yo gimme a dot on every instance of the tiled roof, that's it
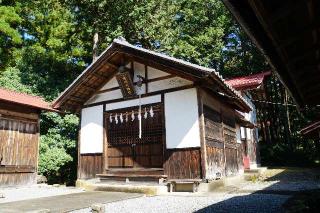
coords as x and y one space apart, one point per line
247 82
24 99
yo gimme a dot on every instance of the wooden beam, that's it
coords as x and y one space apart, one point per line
166 67
89 87
307 54
113 66
285 11
97 75
77 99
300 34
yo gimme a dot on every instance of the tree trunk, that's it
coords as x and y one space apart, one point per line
95 53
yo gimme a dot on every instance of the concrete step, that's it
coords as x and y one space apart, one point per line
137 187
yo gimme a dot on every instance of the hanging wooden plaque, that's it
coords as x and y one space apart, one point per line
126 84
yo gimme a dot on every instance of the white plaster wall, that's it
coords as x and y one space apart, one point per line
155 73
168 84
139 69
133 102
110 84
181 119
106 96
91 135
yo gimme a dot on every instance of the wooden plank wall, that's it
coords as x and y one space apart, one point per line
183 163
90 165
223 153
19 142
15 179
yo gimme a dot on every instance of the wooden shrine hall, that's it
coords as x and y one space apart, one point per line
145 114
19 137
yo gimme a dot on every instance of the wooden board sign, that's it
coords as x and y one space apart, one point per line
126 84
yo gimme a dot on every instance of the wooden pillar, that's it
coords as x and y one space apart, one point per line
203 150
105 143
78 146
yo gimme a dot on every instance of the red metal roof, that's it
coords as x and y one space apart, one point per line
247 82
24 99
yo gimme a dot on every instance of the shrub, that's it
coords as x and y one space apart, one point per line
58 150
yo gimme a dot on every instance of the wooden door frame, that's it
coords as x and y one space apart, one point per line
105 165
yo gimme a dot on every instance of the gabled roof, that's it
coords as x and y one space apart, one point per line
248 82
24 99
101 71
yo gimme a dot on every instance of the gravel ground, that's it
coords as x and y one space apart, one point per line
209 203
277 186
175 204
34 191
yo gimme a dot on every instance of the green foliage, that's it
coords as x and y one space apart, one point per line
58 156
11 79
280 140
9 34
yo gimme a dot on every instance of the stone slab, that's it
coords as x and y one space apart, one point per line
65 203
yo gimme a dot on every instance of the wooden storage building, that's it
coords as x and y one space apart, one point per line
19 137
148 114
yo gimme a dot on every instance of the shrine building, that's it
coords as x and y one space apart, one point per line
145 114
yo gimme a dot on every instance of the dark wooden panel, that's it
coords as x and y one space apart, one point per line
213 124
231 161
90 165
214 143
215 161
240 156
183 163
231 150
125 148
222 150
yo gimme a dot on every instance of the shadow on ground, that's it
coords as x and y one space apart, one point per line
280 184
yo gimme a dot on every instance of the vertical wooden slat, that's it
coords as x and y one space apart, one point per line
202 135
183 163
18 150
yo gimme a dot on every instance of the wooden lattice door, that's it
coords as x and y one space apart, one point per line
125 148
